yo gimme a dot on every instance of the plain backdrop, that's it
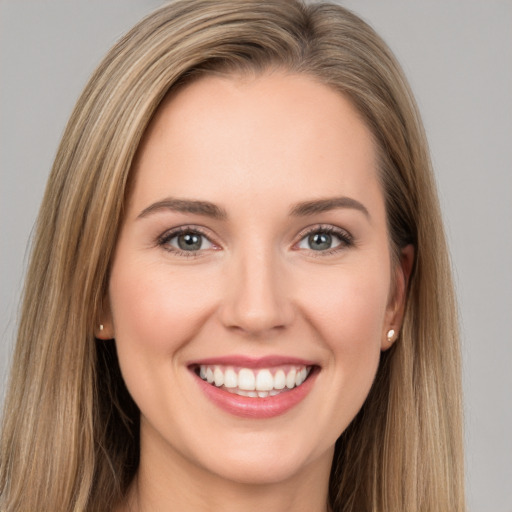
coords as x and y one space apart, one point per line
458 57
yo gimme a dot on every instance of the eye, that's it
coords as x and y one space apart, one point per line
325 239
185 240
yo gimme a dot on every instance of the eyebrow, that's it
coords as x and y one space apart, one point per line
213 211
323 205
186 206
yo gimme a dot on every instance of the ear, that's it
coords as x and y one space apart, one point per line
104 329
396 307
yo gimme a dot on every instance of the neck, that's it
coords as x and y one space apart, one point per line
173 484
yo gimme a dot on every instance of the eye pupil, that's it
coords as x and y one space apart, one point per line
320 241
189 242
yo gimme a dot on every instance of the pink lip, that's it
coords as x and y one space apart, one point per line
252 362
256 408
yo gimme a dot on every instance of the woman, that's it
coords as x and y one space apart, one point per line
239 294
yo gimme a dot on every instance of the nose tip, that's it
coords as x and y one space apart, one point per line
256 302
254 320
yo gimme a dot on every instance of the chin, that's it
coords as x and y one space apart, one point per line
263 459
268 470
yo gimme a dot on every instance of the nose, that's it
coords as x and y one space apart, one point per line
256 302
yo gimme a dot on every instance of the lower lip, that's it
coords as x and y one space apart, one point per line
257 408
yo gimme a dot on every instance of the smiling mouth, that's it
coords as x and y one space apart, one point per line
251 382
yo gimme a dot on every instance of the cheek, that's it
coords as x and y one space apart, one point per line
348 308
155 309
155 313
345 310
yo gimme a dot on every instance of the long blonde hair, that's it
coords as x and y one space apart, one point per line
70 429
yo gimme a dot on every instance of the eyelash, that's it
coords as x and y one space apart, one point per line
163 240
346 239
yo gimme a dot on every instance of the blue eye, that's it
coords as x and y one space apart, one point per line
325 239
186 241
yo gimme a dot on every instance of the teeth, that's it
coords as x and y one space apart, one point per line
254 383
279 380
246 380
290 378
218 376
230 378
264 381
300 378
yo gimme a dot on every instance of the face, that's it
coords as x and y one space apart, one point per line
251 288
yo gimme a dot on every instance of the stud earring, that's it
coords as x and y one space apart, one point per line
391 335
101 327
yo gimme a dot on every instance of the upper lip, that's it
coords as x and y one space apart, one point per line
252 362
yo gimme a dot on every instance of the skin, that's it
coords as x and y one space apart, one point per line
255 147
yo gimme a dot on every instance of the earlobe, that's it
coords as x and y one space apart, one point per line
103 332
104 329
396 308
391 337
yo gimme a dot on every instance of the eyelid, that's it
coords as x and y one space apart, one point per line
163 239
346 238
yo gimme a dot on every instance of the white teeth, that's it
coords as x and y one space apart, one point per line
230 378
246 380
279 380
290 378
218 375
301 377
264 381
254 383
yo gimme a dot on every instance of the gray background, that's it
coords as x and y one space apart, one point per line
458 57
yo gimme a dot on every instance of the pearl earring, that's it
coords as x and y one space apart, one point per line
391 335
101 327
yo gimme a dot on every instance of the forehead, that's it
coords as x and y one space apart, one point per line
265 136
